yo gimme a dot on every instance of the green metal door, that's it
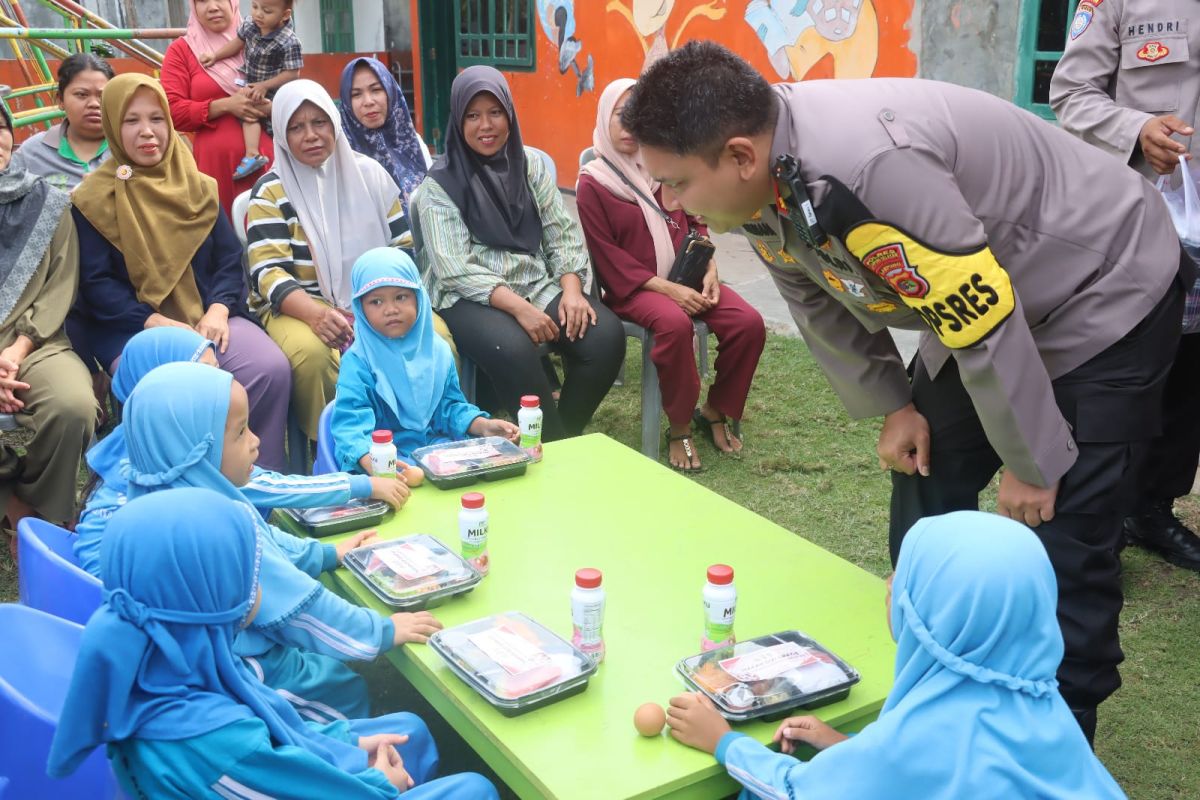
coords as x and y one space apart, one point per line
438 67
337 26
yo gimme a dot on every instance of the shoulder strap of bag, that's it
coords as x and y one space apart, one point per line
648 200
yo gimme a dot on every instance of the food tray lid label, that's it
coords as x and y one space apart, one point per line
411 561
768 663
512 652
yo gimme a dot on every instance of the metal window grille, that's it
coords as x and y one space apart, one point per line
337 26
499 33
1044 25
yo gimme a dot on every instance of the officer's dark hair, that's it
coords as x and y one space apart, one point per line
77 63
696 98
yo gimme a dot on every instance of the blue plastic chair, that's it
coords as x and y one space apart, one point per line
326 460
36 663
50 578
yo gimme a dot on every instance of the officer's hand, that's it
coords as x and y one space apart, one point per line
1161 151
904 442
1025 502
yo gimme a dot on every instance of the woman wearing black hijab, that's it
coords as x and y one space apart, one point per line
505 264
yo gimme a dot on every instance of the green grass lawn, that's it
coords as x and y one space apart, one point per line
812 470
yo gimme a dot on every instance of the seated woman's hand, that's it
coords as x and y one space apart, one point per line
806 730
687 298
575 314
331 327
414 627
393 491
354 542
695 721
537 324
240 105
482 426
710 289
9 404
157 320
214 326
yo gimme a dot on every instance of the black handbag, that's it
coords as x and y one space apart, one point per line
691 260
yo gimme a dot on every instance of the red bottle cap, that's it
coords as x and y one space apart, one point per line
381 437
530 401
720 574
588 578
472 500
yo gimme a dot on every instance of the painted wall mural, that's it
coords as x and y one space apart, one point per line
588 43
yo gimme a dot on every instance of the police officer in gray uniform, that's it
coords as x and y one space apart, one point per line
1046 283
1129 83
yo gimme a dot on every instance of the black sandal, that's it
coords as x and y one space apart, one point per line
687 451
706 425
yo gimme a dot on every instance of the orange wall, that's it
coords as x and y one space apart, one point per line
556 119
324 68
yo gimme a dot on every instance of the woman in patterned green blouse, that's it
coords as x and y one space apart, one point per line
505 264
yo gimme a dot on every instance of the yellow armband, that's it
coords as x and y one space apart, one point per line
963 296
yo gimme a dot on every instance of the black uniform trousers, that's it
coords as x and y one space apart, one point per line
1171 466
1113 404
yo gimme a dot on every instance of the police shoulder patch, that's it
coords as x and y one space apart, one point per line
1083 17
962 296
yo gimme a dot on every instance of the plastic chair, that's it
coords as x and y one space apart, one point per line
297 442
651 391
36 663
326 460
549 162
50 578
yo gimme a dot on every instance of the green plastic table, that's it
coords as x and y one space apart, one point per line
593 502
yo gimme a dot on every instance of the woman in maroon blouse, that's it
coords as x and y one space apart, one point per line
207 103
633 244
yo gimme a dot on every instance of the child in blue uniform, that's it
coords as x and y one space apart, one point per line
157 679
972 609
399 374
186 425
266 490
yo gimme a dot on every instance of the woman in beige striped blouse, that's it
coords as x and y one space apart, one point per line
505 264
319 208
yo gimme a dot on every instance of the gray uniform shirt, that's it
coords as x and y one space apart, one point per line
1126 62
40 154
1087 245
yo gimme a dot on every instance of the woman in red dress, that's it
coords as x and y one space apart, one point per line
207 103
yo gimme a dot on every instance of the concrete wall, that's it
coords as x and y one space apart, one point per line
969 43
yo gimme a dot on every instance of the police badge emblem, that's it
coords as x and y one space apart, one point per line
1153 51
1083 17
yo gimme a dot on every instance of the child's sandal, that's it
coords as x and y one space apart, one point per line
249 165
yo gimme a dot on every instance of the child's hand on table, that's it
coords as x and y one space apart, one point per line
806 730
357 540
414 627
482 426
695 721
388 761
393 491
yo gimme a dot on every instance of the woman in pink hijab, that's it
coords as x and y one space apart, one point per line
632 236
205 101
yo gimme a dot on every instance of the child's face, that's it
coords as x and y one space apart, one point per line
391 310
240 449
269 15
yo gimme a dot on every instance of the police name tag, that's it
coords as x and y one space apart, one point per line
962 296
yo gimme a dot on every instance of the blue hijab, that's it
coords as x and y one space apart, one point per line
156 660
175 428
977 648
410 372
394 144
145 351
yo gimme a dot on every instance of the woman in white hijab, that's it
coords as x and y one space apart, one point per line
320 207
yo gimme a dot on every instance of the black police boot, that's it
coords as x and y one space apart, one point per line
1158 529
1086 717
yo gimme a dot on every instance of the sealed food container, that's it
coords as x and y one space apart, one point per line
453 464
514 662
413 572
767 677
330 520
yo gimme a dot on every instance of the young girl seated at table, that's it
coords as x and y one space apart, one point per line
399 374
106 491
157 678
972 609
186 425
